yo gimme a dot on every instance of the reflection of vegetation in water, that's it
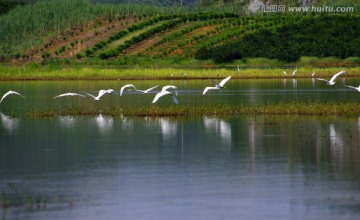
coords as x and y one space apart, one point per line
13 196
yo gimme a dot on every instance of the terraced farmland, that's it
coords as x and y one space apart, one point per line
155 37
121 35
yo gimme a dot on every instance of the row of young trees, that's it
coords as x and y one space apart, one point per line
173 20
321 36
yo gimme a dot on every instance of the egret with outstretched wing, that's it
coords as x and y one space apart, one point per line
126 86
332 80
10 93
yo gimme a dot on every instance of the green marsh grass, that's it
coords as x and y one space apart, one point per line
293 108
35 72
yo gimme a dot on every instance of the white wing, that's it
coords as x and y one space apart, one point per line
322 79
126 86
165 88
89 95
285 73
352 87
10 93
209 88
148 90
175 99
101 93
69 94
336 75
222 83
157 96
313 74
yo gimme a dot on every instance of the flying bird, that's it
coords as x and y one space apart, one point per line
165 91
332 80
101 93
10 93
313 74
69 94
126 86
217 86
356 88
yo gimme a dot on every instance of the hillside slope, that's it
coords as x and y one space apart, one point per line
77 31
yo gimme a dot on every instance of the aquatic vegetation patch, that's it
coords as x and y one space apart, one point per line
293 108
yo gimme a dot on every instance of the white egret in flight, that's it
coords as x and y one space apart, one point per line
332 80
164 91
10 93
217 86
101 93
69 94
126 86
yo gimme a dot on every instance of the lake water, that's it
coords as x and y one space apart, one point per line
240 167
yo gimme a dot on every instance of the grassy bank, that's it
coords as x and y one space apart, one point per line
315 109
36 72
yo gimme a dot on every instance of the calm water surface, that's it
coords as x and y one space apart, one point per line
165 168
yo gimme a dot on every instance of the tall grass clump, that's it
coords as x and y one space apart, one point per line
23 27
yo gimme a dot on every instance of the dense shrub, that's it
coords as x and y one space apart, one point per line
321 36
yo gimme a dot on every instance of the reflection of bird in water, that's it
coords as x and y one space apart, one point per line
100 94
104 123
9 123
221 127
67 121
168 127
217 86
69 94
336 140
10 93
294 83
332 80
